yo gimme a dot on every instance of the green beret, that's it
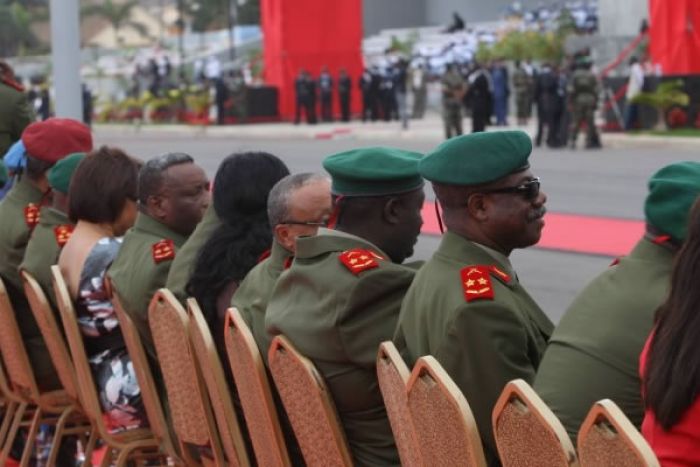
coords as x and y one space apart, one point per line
672 192
60 174
373 171
3 174
477 158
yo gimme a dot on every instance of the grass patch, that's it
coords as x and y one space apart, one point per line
683 132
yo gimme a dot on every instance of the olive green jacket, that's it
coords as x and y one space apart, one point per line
594 351
14 237
136 274
338 318
44 248
15 115
184 262
253 294
481 344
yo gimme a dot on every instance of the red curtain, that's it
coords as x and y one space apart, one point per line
675 36
310 34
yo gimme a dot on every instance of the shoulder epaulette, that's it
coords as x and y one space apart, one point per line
359 260
62 234
31 215
163 250
476 281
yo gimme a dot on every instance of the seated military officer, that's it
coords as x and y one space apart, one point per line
173 194
466 306
54 227
594 351
340 298
297 206
45 143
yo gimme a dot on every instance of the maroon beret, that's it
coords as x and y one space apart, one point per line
55 138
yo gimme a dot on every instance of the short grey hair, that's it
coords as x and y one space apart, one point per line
151 174
278 200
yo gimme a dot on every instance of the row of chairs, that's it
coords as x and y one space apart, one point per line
430 417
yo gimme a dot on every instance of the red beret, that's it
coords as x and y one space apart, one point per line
55 138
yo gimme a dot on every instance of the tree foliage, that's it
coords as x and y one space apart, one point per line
16 36
118 15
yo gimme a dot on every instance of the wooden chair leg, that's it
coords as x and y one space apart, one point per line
107 459
90 446
14 428
58 434
134 446
31 438
10 409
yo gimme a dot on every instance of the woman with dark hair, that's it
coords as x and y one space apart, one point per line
102 203
670 362
241 186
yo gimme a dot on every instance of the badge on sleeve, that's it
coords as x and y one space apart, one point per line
31 215
359 260
163 250
476 282
62 234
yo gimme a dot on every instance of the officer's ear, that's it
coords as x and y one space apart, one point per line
392 210
477 206
156 206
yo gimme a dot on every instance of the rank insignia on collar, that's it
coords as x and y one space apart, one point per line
163 250
288 262
476 282
31 215
505 277
264 255
62 234
359 260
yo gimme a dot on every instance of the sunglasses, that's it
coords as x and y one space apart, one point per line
323 223
529 190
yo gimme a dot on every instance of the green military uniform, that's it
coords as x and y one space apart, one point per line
522 83
183 264
594 352
583 97
19 212
15 114
338 318
341 297
466 306
482 344
141 268
453 88
253 294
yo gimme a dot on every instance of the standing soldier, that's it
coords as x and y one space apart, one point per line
479 97
453 89
583 98
325 87
303 98
365 85
15 113
522 83
344 90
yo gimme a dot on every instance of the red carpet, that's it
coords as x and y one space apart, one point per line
573 233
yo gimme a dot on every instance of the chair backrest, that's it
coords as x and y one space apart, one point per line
14 353
393 376
192 416
608 439
309 406
213 373
51 332
527 432
444 423
147 384
86 383
254 392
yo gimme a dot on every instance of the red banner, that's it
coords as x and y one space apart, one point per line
674 36
309 34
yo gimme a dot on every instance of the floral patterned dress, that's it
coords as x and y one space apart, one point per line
119 392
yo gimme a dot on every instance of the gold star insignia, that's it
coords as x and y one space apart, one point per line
482 281
470 283
353 261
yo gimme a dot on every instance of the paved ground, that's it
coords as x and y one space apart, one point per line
610 182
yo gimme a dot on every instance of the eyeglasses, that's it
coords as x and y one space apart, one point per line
310 223
529 190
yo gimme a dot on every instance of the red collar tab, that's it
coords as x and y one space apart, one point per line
265 254
476 282
660 239
163 250
359 260
615 262
31 215
62 234
13 84
288 262
500 274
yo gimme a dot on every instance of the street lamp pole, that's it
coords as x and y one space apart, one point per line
65 57
231 4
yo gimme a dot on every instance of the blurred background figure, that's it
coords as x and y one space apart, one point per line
419 86
325 89
634 87
344 92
